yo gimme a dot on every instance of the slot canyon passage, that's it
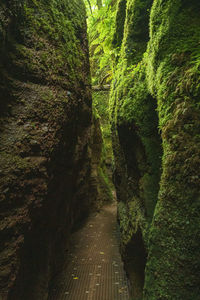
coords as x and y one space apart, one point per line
100 149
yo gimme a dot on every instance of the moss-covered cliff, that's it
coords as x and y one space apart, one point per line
52 153
155 117
174 78
45 133
136 143
100 182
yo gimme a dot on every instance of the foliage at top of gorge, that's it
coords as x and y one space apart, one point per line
145 66
100 21
101 29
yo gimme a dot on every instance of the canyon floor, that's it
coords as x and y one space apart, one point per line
93 269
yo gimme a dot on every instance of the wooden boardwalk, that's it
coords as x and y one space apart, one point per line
95 269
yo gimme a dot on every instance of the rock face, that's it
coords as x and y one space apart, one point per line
155 124
99 185
45 133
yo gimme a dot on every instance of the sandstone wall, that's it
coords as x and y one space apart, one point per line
45 132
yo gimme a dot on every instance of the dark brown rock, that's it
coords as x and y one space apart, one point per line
45 117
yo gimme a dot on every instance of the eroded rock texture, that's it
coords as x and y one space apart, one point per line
155 124
45 130
173 76
99 186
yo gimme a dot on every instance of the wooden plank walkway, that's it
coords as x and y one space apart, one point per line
95 269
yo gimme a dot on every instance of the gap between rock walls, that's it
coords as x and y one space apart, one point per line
100 100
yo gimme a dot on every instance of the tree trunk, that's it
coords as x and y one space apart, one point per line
99 4
90 6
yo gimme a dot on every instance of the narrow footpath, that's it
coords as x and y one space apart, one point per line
95 269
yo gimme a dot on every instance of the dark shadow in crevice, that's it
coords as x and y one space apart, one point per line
135 261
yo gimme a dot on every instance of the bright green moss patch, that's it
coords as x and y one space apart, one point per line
173 77
133 107
50 44
119 23
172 55
157 85
136 33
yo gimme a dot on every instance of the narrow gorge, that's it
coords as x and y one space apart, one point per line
100 98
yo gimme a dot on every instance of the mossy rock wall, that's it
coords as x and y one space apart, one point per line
173 74
100 183
45 133
155 115
136 144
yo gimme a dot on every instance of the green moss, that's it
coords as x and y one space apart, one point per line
133 108
13 162
11 165
139 108
173 64
119 23
100 112
45 118
100 105
105 185
136 33
100 181
161 87
131 220
50 44
173 77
